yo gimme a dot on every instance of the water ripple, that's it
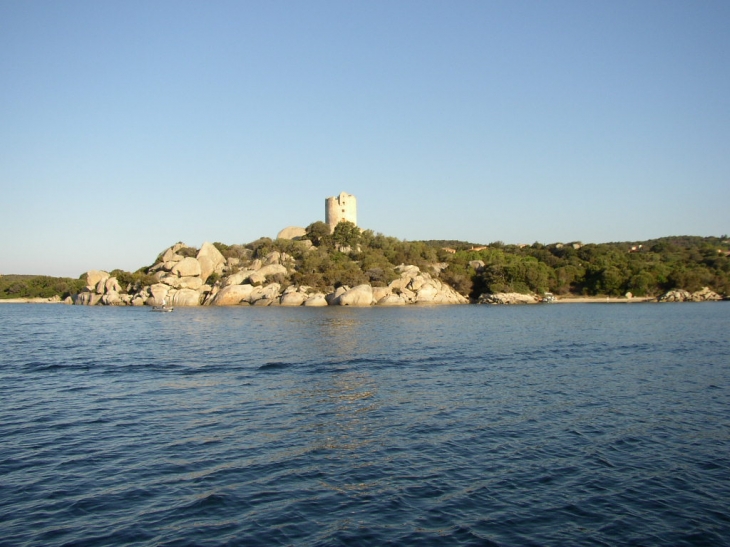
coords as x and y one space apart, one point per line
554 425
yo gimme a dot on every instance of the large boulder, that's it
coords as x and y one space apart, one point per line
184 297
158 293
264 272
237 278
676 295
112 284
426 293
94 277
704 295
87 299
316 301
170 255
232 295
291 232
211 261
187 267
333 298
111 298
391 300
380 292
268 293
361 295
100 287
194 283
293 298
274 257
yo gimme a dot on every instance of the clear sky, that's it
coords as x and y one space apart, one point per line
128 126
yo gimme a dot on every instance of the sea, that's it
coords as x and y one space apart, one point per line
555 425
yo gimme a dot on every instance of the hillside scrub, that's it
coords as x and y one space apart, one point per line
352 256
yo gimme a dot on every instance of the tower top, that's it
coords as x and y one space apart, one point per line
339 208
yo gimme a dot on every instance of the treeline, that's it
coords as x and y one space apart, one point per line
647 268
38 286
351 256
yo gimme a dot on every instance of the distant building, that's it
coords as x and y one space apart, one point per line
339 208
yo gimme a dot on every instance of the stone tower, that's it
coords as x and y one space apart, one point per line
342 207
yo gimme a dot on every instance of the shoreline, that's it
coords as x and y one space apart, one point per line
603 300
560 300
50 300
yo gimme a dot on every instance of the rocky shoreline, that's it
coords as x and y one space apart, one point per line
184 281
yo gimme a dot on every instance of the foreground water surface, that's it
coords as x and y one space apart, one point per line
468 425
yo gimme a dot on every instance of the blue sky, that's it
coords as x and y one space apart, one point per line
128 126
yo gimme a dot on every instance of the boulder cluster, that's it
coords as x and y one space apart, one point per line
181 280
680 295
185 280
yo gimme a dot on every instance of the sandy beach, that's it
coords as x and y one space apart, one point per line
602 299
51 300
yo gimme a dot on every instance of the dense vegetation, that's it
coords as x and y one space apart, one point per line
38 286
649 268
351 256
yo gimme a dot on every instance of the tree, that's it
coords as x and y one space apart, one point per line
346 234
318 233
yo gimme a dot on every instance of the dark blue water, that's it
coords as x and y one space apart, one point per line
469 425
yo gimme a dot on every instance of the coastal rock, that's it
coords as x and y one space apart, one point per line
237 278
193 283
380 292
680 295
211 261
184 297
426 293
676 295
415 286
293 298
269 292
391 300
260 275
291 232
704 295
232 295
187 267
100 287
316 300
94 277
361 295
112 284
158 293
333 298
408 296
111 298
170 255
87 299
508 298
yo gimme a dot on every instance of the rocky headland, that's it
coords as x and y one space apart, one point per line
184 280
